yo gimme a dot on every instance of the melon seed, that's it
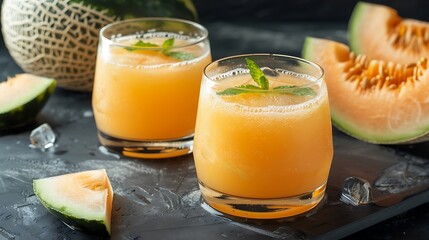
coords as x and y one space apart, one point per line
415 73
409 36
426 35
381 68
373 74
411 65
352 78
392 86
422 63
372 68
394 39
353 71
364 83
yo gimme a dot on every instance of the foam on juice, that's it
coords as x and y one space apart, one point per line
149 58
258 101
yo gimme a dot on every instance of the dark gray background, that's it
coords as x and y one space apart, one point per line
304 10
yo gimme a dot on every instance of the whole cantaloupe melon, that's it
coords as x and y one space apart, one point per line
58 38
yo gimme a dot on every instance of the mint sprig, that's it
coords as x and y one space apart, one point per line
166 46
296 90
257 75
261 80
168 43
140 43
238 90
184 56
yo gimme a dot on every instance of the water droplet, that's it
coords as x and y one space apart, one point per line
88 114
106 151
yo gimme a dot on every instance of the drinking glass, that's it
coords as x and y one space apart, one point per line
146 87
263 153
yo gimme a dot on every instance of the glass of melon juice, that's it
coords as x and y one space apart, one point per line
146 87
263 153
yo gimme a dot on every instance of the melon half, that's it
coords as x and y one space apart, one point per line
82 200
372 100
58 39
380 33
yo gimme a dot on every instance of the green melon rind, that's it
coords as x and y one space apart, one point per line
88 225
26 109
355 23
419 135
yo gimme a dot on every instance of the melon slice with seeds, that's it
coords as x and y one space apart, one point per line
380 33
373 100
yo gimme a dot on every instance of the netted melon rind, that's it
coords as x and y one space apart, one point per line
56 39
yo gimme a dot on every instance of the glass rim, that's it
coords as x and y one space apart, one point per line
201 28
317 79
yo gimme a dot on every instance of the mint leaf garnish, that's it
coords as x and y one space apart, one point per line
295 90
259 77
180 55
166 45
141 44
238 90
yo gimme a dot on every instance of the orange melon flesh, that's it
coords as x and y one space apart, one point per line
83 199
375 115
21 89
372 30
21 99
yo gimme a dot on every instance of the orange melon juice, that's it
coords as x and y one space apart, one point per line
262 145
145 94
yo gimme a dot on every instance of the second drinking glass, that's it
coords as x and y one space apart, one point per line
146 85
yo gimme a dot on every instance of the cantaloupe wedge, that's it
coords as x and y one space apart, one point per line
375 101
22 97
381 33
82 200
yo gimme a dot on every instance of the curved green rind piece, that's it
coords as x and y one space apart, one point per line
95 227
350 128
90 226
27 112
355 23
307 48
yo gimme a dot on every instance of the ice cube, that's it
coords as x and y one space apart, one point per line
356 191
42 137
